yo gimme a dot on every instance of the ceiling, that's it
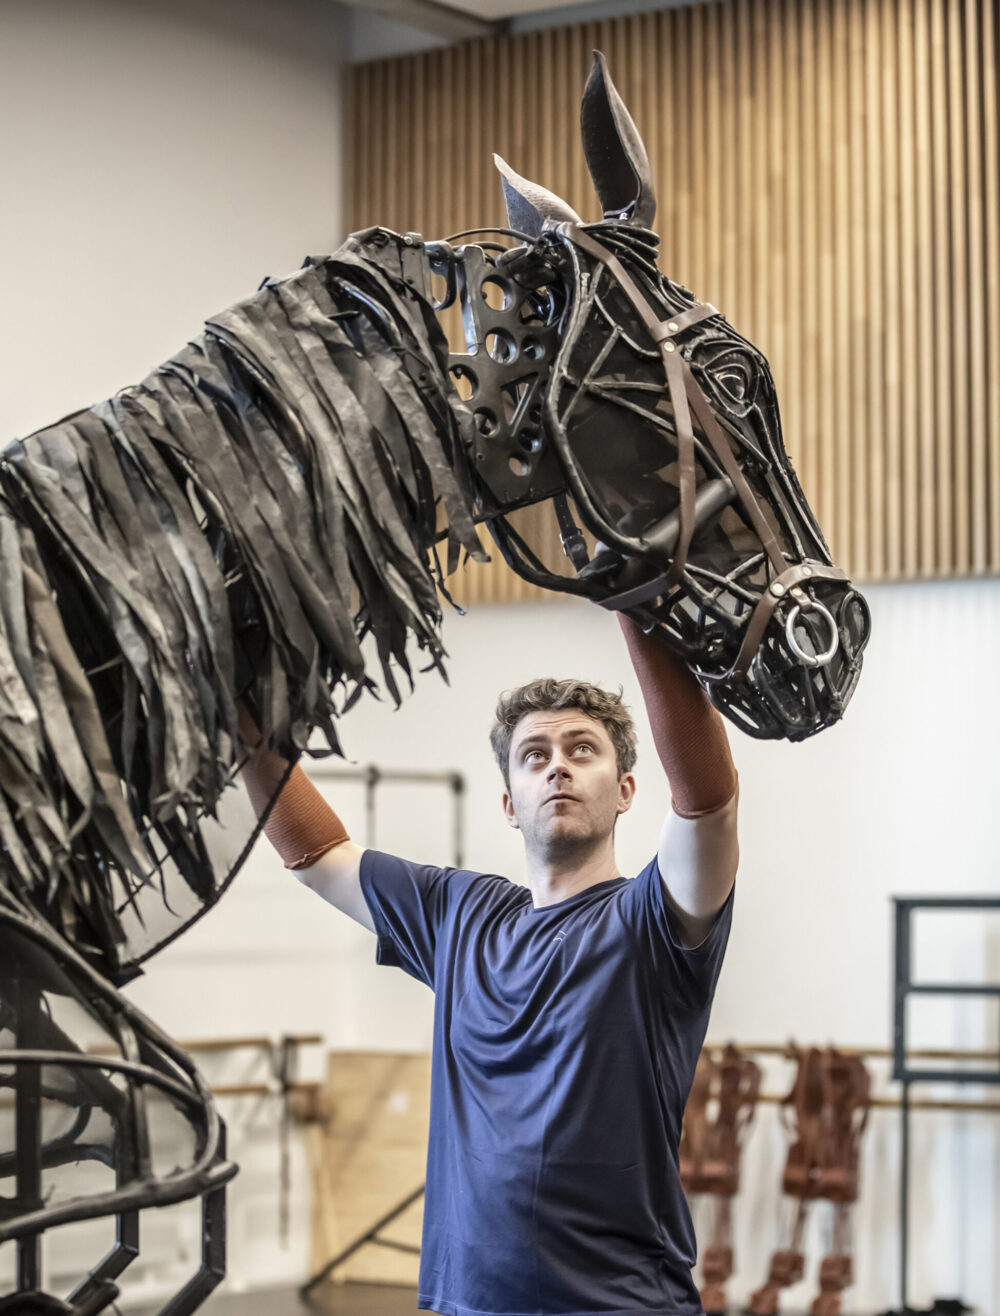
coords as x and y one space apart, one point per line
494 9
383 28
458 20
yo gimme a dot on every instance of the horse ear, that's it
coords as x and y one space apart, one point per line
528 205
615 154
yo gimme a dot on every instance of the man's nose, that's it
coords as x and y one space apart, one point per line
558 767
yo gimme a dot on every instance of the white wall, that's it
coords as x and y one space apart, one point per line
158 167
157 160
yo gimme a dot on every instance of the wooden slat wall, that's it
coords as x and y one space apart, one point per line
828 175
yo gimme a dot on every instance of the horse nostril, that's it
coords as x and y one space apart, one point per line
855 624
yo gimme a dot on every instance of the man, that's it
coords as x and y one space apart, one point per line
568 1017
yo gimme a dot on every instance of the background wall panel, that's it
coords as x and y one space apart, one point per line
827 173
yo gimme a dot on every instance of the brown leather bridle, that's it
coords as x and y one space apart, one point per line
687 397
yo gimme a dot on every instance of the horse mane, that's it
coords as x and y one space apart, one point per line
232 527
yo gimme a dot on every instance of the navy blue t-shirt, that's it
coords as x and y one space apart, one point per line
565 1043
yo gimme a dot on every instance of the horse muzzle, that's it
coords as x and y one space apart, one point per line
799 676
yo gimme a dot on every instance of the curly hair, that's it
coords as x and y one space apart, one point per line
546 694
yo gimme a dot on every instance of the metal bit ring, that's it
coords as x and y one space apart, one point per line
811 660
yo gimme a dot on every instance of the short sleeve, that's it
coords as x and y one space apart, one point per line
408 903
689 973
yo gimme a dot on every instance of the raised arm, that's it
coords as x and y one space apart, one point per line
699 851
302 827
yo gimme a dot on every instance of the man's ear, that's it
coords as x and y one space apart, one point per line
508 808
626 792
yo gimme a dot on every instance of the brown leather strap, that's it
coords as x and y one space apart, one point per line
720 446
662 333
693 315
674 366
660 330
769 600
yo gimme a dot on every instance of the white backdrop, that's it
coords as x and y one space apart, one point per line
157 161
156 166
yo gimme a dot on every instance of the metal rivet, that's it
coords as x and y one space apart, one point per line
777 588
807 571
668 347
672 327
797 593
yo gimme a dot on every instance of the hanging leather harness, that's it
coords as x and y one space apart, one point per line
710 1148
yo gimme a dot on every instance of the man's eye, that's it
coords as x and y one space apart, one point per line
533 754
584 745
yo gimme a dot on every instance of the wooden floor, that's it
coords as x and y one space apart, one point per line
371 1299
332 1300
337 1300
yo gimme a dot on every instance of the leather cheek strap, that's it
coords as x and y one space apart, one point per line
684 389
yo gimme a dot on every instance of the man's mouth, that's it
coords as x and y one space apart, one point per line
561 797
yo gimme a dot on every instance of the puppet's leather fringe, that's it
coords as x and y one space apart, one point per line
231 527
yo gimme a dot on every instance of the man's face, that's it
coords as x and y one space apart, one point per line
565 792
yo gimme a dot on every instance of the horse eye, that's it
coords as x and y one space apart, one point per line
734 382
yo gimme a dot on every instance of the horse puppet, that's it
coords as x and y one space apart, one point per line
233 527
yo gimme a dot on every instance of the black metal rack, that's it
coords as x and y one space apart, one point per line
372 776
905 987
39 1050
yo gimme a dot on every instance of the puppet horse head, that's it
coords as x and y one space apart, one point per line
595 384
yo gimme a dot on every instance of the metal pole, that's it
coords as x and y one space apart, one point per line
904 931
904 1198
371 786
373 776
458 802
900 988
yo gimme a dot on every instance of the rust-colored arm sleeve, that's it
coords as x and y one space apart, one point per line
689 734
301 826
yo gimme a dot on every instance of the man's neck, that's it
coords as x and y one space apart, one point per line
557 877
